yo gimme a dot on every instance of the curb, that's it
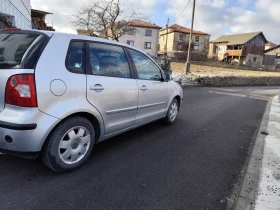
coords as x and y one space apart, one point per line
248 190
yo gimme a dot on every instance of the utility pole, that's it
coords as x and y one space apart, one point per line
166 37
188 65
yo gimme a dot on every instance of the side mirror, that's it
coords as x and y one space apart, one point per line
167 77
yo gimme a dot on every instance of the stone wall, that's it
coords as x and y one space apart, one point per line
254 61
220 81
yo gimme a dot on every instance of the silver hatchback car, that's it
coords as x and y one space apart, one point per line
60 94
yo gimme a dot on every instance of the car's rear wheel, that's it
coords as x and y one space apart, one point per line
172 112
69 145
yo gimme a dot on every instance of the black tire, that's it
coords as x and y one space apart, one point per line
168 120
51 151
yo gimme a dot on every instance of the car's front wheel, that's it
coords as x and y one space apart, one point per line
172 112
69 145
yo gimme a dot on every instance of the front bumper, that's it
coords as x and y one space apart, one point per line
24 129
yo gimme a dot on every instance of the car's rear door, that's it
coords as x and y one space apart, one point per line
153 90
111 87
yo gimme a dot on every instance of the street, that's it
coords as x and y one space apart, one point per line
194 164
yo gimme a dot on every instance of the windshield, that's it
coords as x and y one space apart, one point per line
13 47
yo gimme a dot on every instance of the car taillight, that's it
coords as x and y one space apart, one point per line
20 91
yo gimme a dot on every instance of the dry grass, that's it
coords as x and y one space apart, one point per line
208 68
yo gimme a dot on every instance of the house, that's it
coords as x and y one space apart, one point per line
269 45
144 36
15 13
177 39
272 58
237 47
38 19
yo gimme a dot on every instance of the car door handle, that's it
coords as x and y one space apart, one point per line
97 87
144 88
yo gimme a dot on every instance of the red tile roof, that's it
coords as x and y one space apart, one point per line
85 33
140 23
181 29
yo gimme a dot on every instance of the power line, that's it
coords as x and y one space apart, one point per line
183 11
26 8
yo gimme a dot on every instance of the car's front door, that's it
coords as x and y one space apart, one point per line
110 86
153 91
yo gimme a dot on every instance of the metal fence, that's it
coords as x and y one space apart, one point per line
17 18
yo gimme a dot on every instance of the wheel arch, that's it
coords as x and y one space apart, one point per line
178 98
93 119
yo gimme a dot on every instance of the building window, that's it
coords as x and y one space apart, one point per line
196 47
163 37
148 33
131 43
147 45
197 38
131 32
181 37
254 59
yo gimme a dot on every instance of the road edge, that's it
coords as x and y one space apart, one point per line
248 190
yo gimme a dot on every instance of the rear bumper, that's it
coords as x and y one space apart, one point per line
24 130
18 127
29 155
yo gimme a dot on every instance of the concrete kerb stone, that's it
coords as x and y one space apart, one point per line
249 186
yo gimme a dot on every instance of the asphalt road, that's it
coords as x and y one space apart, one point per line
194 164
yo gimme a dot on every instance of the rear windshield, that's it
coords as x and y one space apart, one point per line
13 48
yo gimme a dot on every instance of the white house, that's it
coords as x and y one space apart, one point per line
145 37
18 13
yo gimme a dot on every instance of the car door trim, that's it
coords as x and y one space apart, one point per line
151 105
121 110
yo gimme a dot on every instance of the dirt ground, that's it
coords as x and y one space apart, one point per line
206 68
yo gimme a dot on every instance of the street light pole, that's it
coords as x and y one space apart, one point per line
188 65
166 37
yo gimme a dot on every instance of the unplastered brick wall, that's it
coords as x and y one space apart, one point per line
254 61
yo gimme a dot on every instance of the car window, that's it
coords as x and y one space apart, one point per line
76 57
108 60
13 47
146 68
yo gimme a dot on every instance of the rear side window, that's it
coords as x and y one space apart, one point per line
14 48
108 60
75 61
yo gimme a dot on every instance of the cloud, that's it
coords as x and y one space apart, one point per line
220 17
216 17
63 10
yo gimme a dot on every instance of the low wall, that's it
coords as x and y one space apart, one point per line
220 81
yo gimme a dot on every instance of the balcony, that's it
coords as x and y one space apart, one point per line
234 52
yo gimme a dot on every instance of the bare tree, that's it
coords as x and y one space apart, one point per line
107 18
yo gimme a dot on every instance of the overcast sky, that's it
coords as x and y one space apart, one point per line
216 17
